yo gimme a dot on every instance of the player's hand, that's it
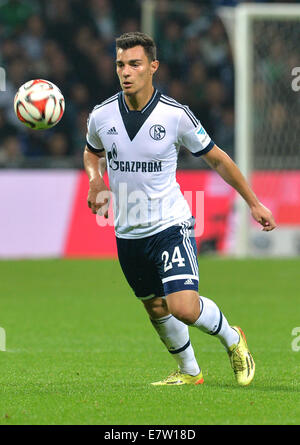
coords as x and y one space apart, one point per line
263 216
99 197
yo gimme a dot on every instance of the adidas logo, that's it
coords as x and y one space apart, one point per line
112 131
188 281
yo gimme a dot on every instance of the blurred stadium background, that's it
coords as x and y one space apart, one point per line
70 42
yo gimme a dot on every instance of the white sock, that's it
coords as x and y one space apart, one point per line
175 335
213 322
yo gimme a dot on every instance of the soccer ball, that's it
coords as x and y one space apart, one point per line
39 104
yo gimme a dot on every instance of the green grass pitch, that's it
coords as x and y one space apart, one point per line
81 350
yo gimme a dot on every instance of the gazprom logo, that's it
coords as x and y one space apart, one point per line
112 157
114 151
131 166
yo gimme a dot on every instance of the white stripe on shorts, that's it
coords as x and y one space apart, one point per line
180 277
194 258
189 248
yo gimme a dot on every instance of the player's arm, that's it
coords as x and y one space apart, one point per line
98 195
229 171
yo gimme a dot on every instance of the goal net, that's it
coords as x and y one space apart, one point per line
267 106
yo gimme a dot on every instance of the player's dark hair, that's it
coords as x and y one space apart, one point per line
132 39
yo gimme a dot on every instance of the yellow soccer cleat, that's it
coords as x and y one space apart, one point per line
241 360
178 378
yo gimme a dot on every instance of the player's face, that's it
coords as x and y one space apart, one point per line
134 69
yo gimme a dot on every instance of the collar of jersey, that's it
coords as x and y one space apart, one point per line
134 120
148 104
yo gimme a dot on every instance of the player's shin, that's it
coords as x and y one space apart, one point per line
213 322
175 335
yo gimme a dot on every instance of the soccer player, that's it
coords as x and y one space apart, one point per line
136 135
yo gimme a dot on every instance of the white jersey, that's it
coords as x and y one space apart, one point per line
141 152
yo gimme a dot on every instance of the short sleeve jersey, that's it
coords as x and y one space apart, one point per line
141 149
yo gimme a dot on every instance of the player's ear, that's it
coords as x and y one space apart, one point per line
154 66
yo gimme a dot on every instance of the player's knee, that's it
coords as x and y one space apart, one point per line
186 315
184 306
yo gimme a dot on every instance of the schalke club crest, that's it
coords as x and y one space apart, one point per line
157 132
